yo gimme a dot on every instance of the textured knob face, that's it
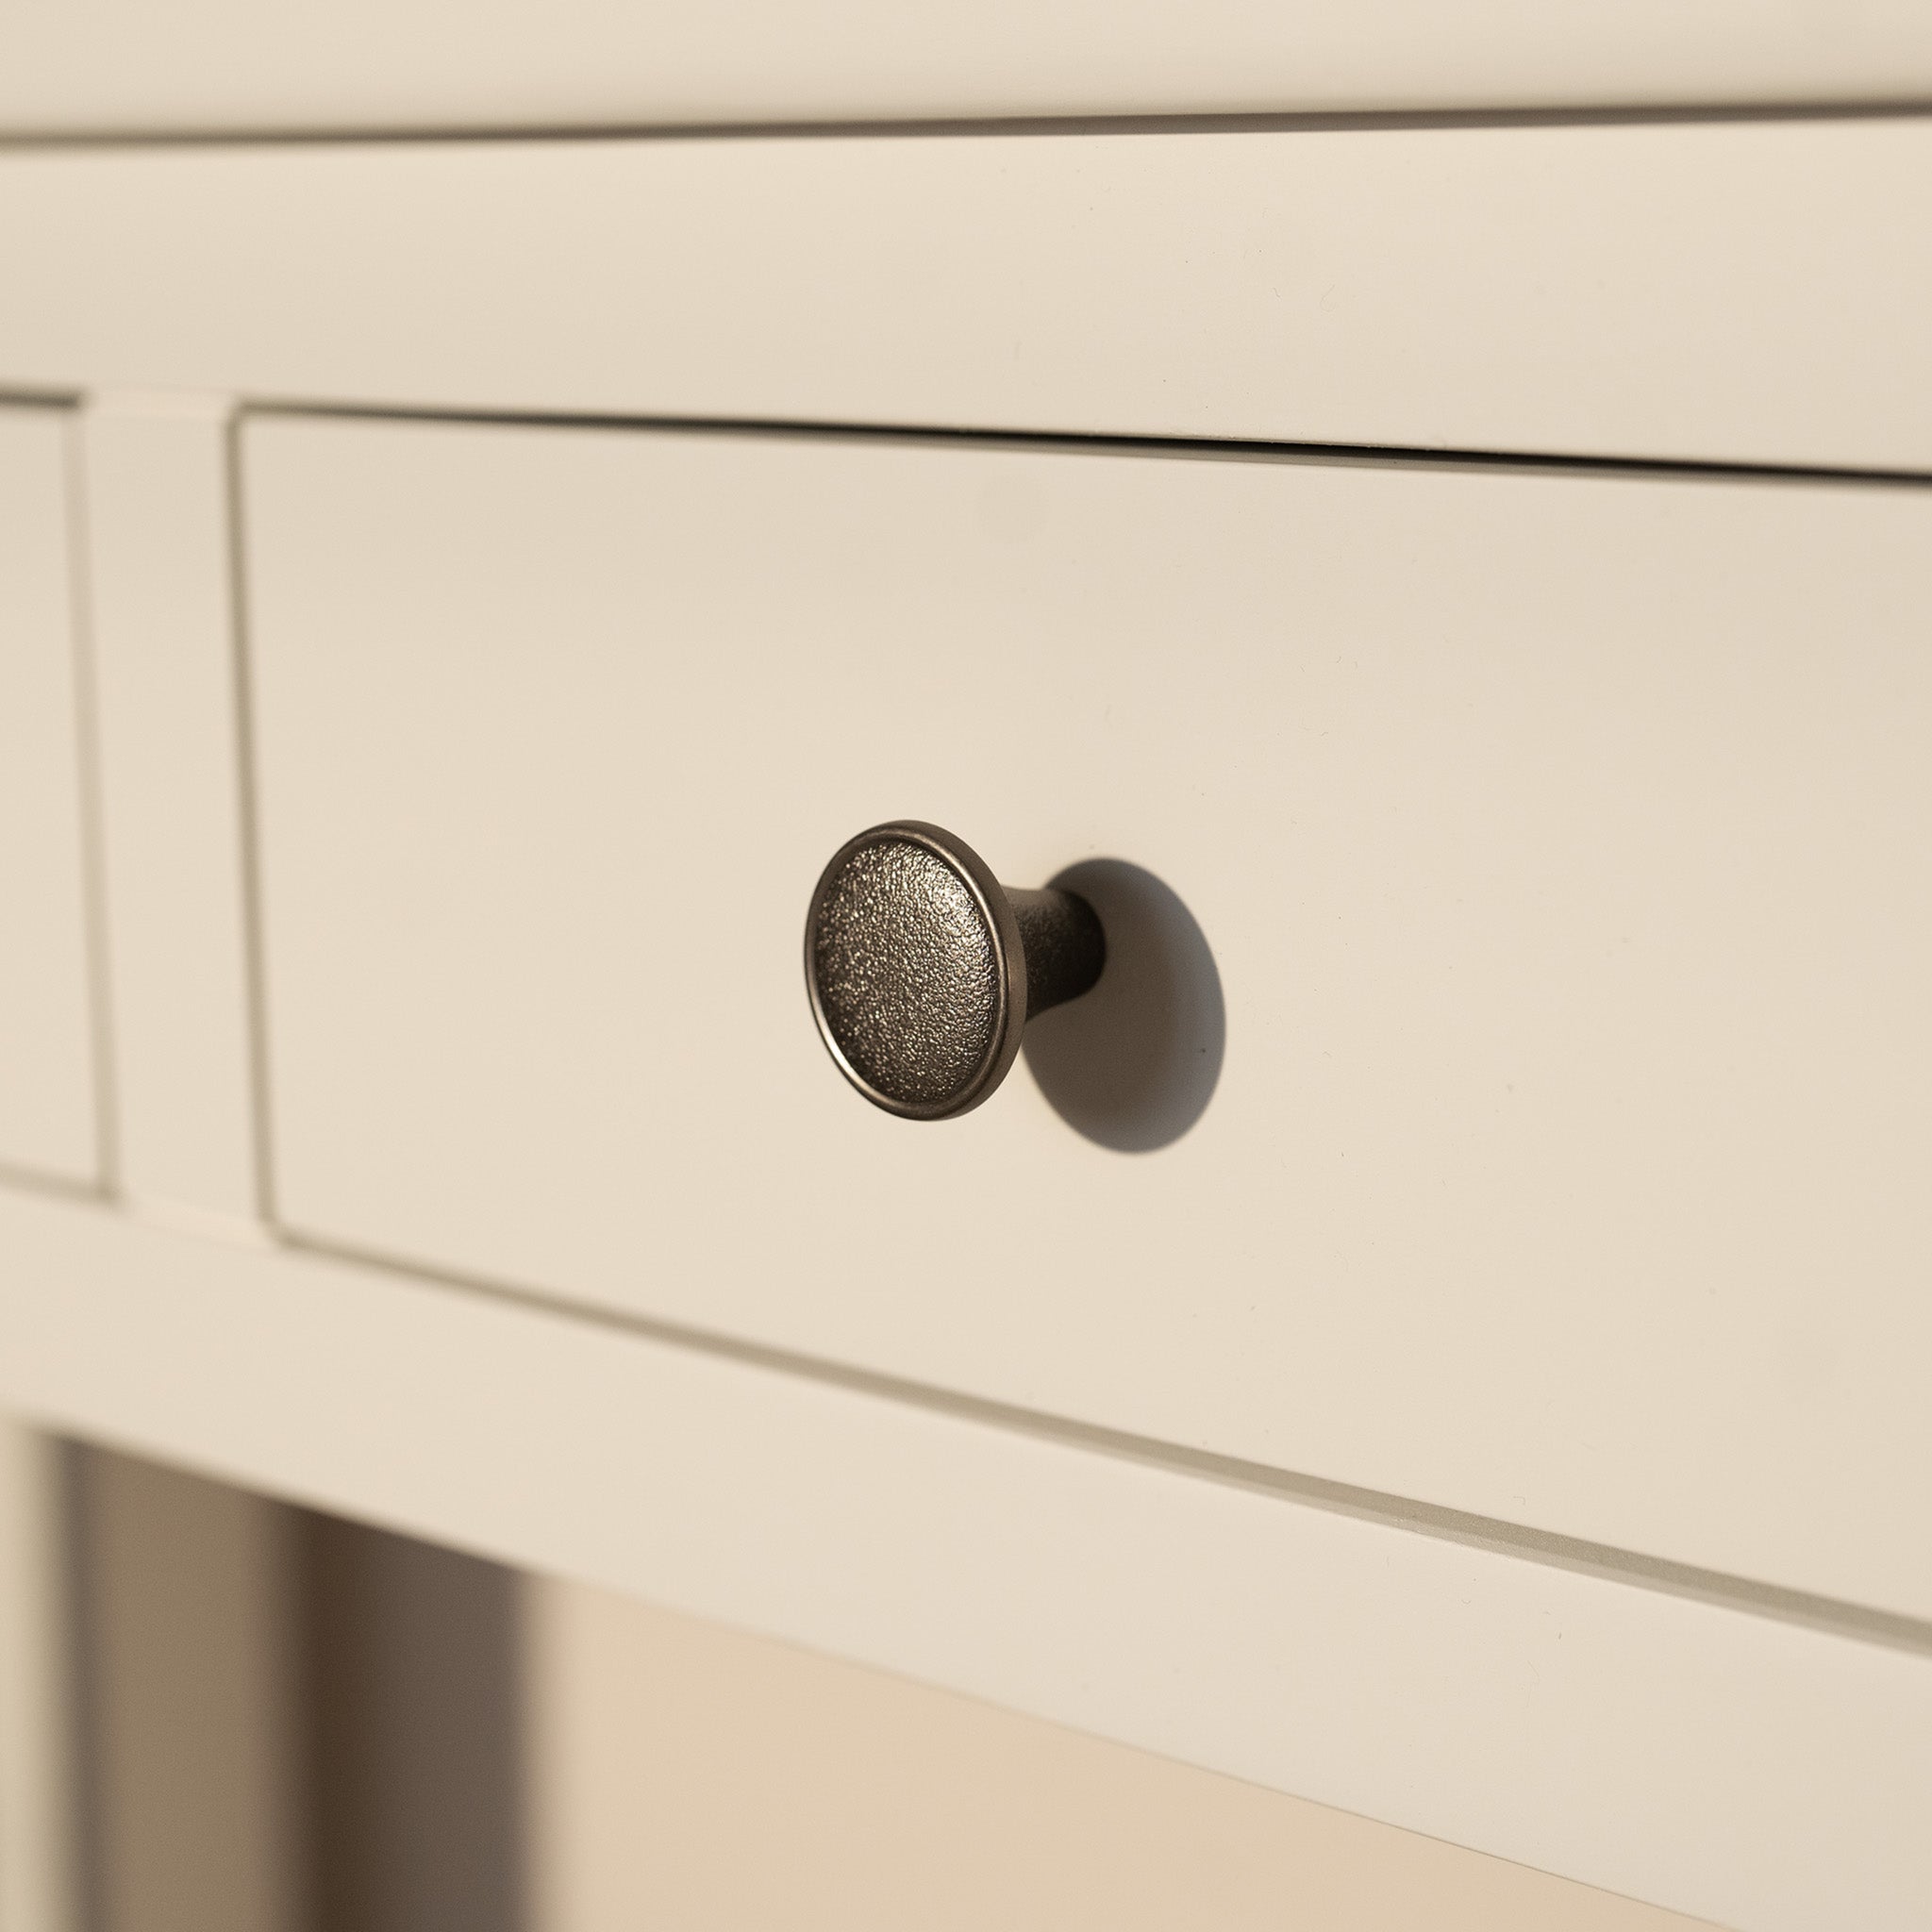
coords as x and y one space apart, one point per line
916 971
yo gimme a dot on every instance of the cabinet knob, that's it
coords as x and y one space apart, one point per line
924 970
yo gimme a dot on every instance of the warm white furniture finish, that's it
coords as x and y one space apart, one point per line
1502 1411
119 65
1558 842
1720 293
48 1124
155 504
1742 1767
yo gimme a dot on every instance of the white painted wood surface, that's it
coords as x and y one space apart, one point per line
49 1121
191 65
156 503
1558 841
1767 1776
1729 292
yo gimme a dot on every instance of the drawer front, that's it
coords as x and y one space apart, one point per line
47 1124
196 64
1524 873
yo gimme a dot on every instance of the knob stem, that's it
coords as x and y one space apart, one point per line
1064 945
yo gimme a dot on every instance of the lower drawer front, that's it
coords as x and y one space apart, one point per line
46 1076
1512 1087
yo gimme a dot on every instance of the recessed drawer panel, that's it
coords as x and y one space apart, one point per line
1512 1086
46 1078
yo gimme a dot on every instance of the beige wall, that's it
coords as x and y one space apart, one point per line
693 1778
191 1706
37 1852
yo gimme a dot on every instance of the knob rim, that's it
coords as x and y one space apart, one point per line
1002 930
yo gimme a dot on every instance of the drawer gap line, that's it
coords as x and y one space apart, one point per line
990 126
1069 442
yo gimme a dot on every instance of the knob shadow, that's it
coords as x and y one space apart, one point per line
1134 1063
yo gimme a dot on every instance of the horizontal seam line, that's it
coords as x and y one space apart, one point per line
1236 120
31 1180
1775 1603
24 396
1200 448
